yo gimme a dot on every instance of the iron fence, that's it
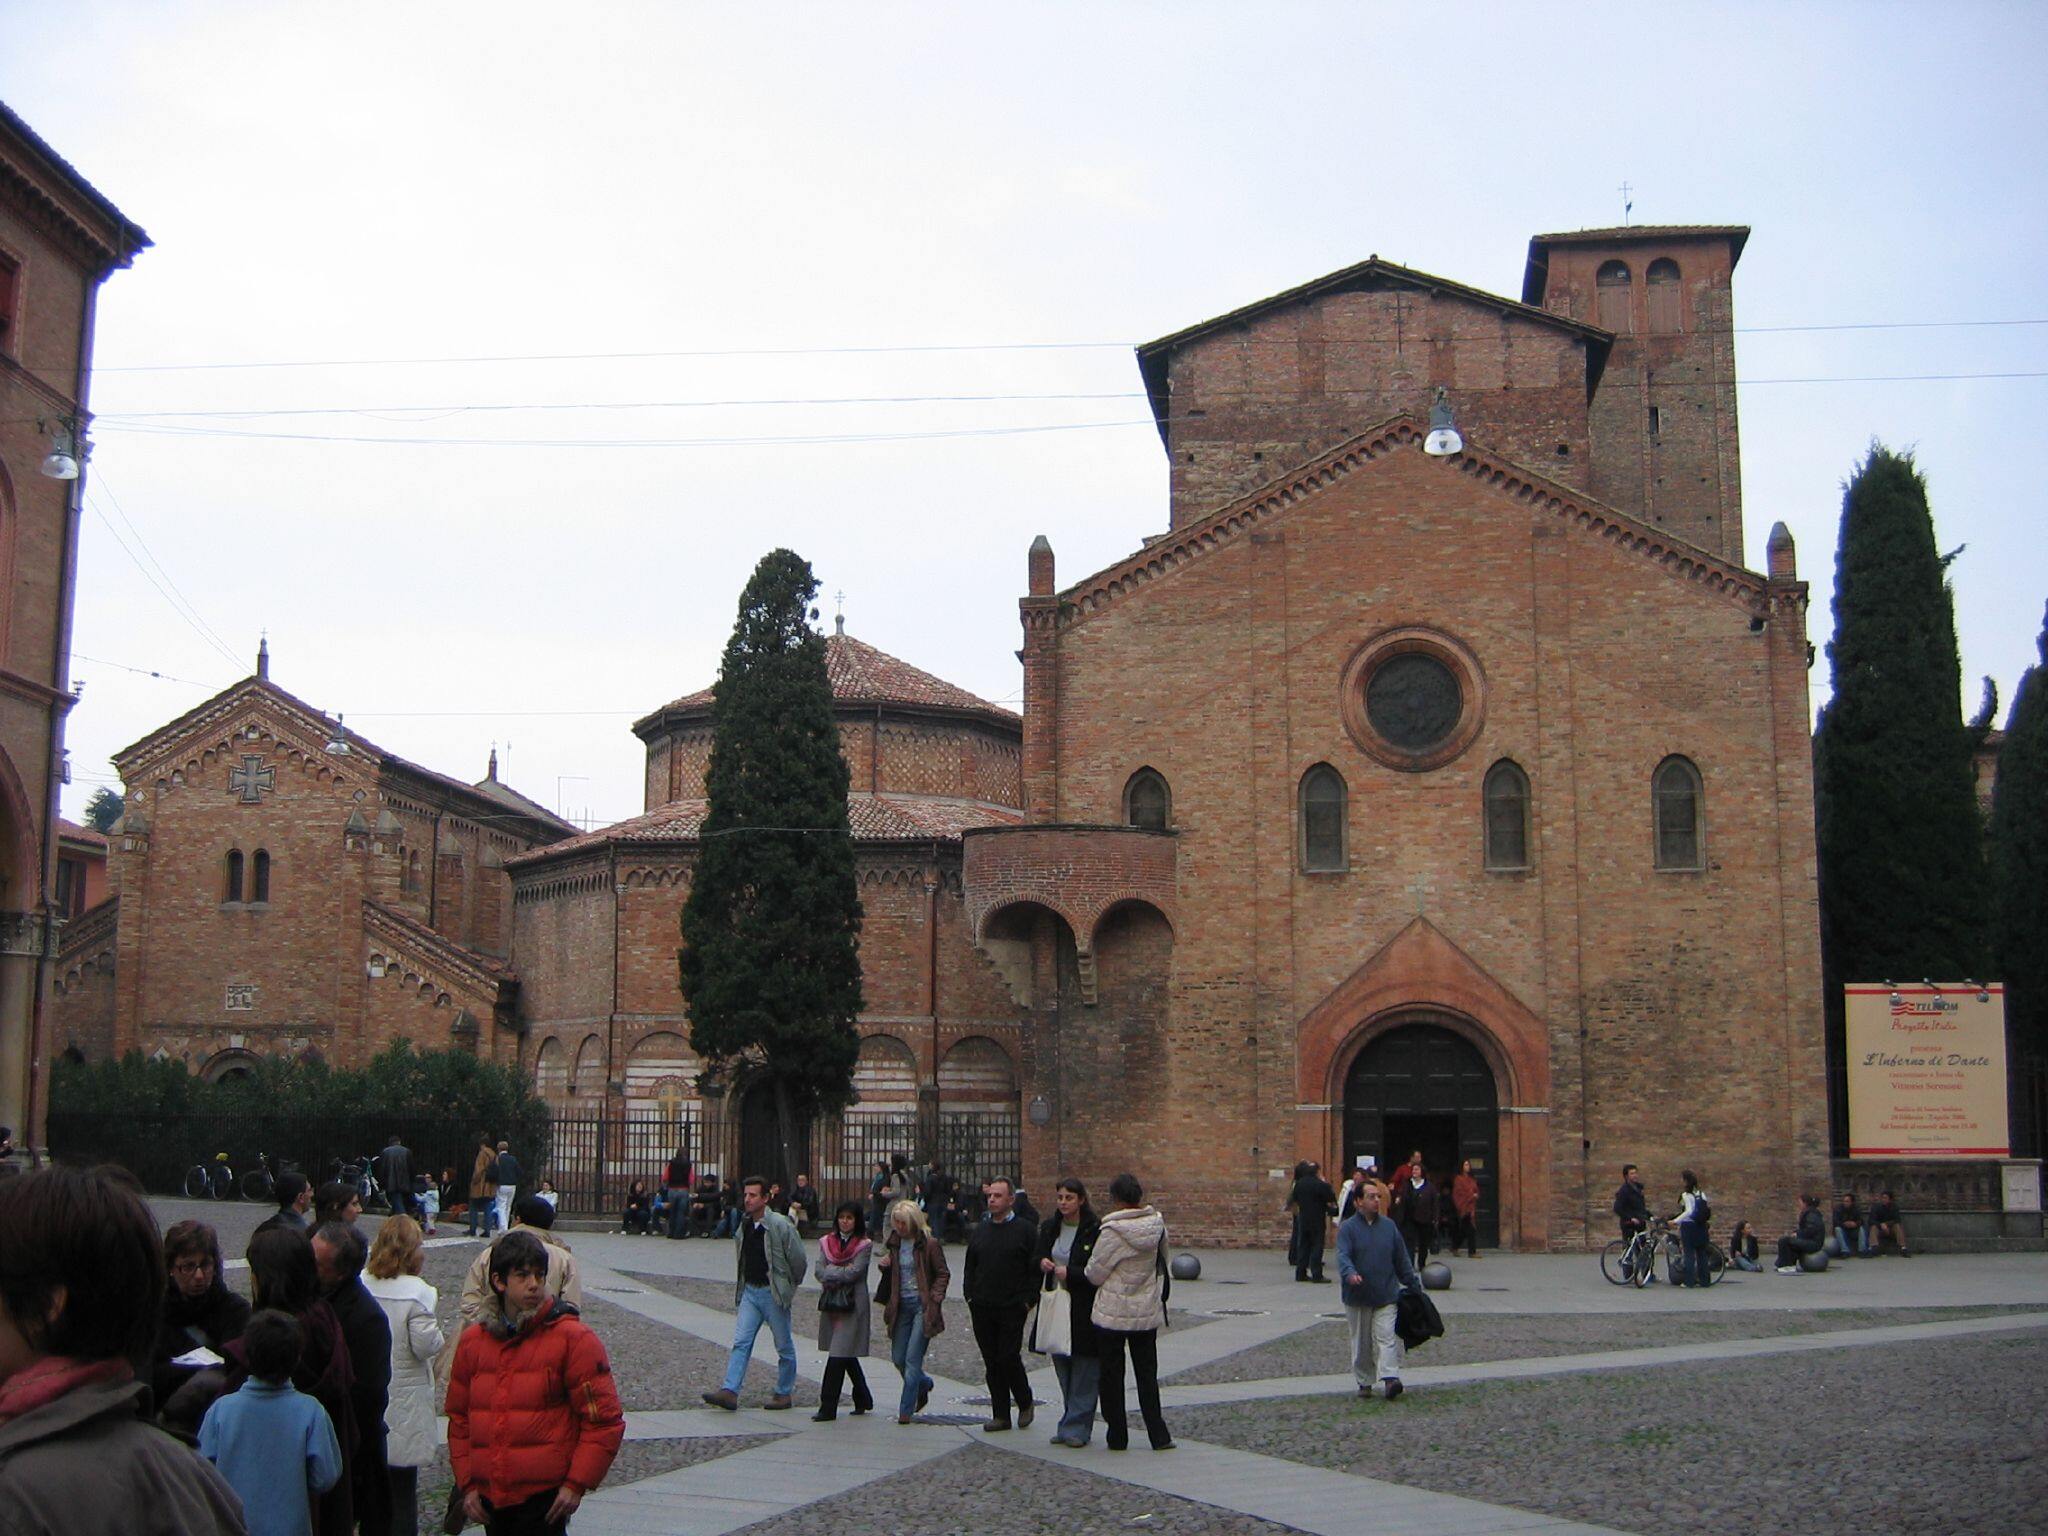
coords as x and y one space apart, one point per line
160 1149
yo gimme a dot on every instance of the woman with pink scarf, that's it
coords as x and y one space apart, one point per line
81 1283
843 1255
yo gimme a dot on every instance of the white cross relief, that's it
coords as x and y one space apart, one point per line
251 779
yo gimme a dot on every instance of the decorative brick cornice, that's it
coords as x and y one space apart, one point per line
428 951
1404 433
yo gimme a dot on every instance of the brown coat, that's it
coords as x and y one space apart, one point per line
932 1279
481 1185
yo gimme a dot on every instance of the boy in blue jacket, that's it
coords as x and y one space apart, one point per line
274 1445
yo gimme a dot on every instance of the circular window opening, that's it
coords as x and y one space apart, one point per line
1413 698
1413 701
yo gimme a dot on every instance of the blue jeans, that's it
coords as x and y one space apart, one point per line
1693 1265
757 1306
1079 1378
906 1352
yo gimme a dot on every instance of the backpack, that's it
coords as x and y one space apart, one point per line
1702 1212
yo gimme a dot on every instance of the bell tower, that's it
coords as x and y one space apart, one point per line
1666 446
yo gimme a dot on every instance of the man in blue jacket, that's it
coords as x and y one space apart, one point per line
1373 1268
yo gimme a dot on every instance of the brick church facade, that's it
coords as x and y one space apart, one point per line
1386 800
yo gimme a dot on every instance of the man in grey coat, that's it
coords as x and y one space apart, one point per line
1373 1268
769 1265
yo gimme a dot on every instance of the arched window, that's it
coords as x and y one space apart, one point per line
1507 816
233 891
1147 802
1661 286
1322 818
1612 292
259 877
1675 792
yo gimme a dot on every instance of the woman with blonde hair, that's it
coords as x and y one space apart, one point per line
393 1277
913 1290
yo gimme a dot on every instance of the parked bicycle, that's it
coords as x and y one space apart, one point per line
260 1182
360 1174
210 1181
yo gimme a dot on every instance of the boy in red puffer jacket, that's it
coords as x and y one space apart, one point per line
533 1414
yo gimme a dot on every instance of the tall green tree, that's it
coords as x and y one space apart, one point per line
770 963
2019 864
103 809
1903 889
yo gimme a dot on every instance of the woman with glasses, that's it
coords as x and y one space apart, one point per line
199 1312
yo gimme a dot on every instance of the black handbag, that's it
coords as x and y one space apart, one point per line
836 1298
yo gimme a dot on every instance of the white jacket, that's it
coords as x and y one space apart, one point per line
408 1303
1129 1297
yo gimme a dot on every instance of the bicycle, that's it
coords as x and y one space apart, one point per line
1633 1260
210 1181
361 1176
260 1182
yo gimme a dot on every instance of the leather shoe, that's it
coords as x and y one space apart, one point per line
924 1395
903 1418
1168 1446
779 1400
729 1401
994 1426
1026 1412
1393 1388
825 1416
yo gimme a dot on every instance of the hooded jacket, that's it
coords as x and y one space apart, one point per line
408 1303
86 1465
478 1300
1124 1270
532 1408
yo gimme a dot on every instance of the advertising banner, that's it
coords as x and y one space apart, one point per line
1927 1070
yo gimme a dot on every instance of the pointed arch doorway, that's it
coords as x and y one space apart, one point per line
1422 1086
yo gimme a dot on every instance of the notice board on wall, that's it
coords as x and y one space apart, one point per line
1927 1070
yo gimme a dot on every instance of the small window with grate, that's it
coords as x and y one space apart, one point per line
1506 796
1147 802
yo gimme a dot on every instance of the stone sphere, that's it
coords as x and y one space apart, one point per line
1436 1277
1186 1266
1814 1263
1832 1248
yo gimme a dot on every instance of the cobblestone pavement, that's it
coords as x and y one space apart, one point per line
636 1459
1949 1435
952 1353
979 1488
657 1367
1326 1347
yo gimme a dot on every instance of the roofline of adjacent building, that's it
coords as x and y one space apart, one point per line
1153 355
676 713
121 237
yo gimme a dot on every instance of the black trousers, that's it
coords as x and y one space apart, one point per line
1144 1348
1418 1236
838 1370
1308 1246
1467 1236
529 1517
999 1332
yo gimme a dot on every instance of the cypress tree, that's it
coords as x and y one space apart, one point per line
1903 890
2019 863
770 963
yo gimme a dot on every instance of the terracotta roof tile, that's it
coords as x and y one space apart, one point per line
860 674
875 819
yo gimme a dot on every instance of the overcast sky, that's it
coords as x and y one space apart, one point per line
756 213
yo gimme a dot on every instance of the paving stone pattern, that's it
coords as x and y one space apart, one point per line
978 1488
1326 1347
1948 1435
636 1459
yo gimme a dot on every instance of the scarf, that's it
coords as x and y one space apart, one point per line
838 1250
39 1385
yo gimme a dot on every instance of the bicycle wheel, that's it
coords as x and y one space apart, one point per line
1613 1263
1717 1264
223 1182
257 1184
197 1185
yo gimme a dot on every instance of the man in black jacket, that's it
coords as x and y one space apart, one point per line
1632 1207
338 1253
1811 1236
1001 1288
1310 1200
397 1163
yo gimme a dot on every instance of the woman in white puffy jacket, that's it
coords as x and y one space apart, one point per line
393 1277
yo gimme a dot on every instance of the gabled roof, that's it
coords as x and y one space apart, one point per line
859 674
1537 272
428 944
1164 556
1371 273
314 722
875 818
